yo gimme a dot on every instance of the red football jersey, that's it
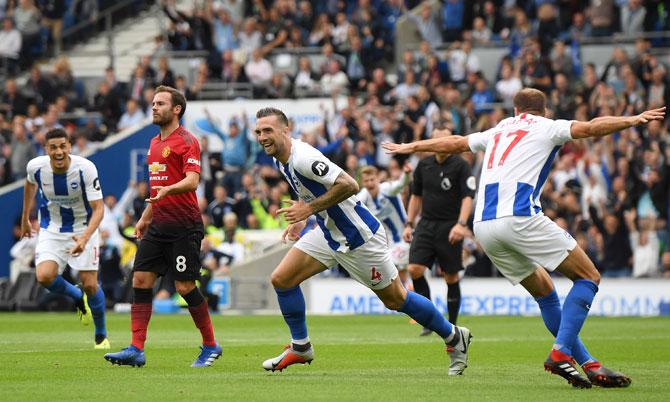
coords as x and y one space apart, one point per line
168 161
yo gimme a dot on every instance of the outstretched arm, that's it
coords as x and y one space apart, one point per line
602 126
453 144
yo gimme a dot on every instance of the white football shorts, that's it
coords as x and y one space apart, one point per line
56 247
400 254
517 245
370 263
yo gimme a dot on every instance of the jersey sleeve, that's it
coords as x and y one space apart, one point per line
417 182
468 181
559 132
92 182
314 166
478 141
31 168
191 157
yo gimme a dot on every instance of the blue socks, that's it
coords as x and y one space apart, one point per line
97 305
424 312
575 309
550 307
292 305
61 286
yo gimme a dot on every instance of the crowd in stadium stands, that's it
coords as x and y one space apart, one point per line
611 194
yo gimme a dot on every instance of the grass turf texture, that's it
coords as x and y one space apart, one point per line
51 357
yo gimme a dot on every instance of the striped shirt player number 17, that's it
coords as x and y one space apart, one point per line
516 137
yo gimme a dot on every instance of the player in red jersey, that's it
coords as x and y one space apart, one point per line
170 230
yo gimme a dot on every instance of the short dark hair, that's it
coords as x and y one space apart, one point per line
177 97
56 133
530 100
271 111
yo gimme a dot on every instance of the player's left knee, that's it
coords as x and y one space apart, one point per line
90 288
393 303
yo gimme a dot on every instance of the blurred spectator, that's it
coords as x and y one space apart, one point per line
616 243
453 12
10 46
259 71
12 102
39 88
164 75
224 32
111 275
27 19
334 80
428 25
22 148
462 61
107 103
53 12
147 102
305 79
645 245
509 84
480 34
133 115
138 83
602 17
632 17
250 38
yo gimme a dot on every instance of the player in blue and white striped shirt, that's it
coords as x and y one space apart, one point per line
520 240
384 200
70 209
347 234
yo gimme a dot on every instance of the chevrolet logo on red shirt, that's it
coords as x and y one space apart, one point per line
156 168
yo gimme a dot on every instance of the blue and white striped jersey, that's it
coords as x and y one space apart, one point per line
346 225
519 154
387 206
63 199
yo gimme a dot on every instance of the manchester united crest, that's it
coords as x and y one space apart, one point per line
166 152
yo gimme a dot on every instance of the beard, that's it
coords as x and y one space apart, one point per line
163 119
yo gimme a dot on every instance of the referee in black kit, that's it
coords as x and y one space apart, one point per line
442 191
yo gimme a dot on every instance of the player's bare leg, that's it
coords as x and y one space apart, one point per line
457 339
295 267
46 273
404 276
417 272
96 303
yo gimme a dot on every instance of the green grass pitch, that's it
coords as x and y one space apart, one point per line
362 358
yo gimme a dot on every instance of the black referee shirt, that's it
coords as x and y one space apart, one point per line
443 186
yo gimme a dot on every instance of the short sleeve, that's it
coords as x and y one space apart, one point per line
317 167
478 141
191 157
92 182
559 131
468 181
30 171
417 182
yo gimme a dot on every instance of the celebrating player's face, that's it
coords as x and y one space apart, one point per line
270 134
58 150
370 181
162 109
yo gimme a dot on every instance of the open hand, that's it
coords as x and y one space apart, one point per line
649 115
161 192
393 149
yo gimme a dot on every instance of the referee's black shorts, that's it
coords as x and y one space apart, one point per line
431 241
